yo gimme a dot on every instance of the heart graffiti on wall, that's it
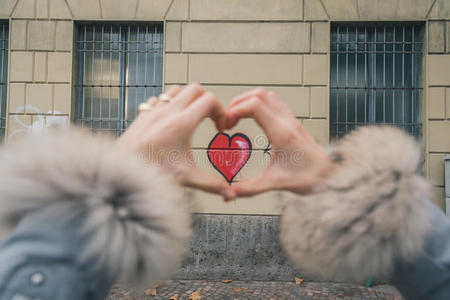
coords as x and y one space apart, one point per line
228 154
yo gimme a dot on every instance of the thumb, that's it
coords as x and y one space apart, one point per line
253 186
209 183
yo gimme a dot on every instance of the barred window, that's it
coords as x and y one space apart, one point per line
374 77
4 34
119 66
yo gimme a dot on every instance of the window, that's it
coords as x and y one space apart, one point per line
119 66
4 34
374 78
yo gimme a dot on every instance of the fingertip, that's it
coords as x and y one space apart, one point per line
228 194
173 90
231 122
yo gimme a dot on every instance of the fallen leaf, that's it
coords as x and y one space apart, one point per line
174 297
150 292
226 280
238 290
274 296
195 295
298 281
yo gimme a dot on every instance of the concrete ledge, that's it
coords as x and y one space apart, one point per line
239 247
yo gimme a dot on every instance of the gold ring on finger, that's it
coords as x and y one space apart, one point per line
164 98
144 106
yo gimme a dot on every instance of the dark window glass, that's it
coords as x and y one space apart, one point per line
375 76
119 66
4 29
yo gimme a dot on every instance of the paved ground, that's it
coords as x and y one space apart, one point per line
257 290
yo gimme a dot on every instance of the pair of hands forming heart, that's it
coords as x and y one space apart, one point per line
164 135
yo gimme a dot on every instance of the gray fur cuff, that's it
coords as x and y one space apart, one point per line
368 212
134 218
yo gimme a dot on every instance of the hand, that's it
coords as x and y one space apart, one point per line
164 135
297 162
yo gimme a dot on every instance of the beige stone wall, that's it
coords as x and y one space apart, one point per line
40 66
438 116
230 46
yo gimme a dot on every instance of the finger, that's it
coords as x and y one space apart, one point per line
281 106
187 95
256 109
209 183
258 92
173 91
152 100
253 186
206 106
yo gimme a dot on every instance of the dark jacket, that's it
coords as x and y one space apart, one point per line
85 214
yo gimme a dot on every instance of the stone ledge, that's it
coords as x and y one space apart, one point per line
239 247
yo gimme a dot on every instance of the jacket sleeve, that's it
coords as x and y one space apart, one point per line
78 214
370 216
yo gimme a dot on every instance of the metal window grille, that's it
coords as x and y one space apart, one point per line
119 66
374 76
4 35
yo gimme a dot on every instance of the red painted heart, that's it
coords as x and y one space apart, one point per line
229 154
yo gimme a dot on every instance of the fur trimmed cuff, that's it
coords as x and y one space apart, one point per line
134 218
370 211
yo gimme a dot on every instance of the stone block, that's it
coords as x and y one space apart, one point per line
242 69
440 10
16 97
447 103
21 66
41 35
436 37
118 9
40 66
319 129
39 98
179 10
343 10
439 69
64 36
176 68
439 140
62 98
19 126
6 7
438 197
24 9
413 9
59 10
87 9
173 36
436 103
246 10
59 67
246 37
448 36
18 35
41 9
315 70
436 169
319 102
320 39
314 11
154 10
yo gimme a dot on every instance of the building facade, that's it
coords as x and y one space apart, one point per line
93 61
